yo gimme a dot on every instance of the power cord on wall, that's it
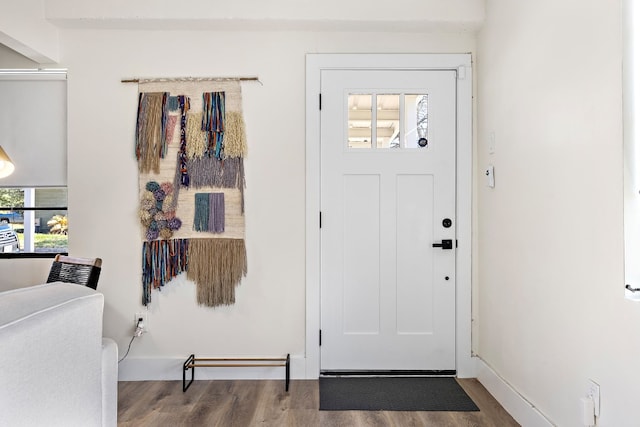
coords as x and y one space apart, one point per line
136 334
129 348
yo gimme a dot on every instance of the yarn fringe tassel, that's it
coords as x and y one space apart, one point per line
196 137
173 104
213 122
185 106
216 213
235 138
151 143
210 172
216 266
162 260
172 120
201 212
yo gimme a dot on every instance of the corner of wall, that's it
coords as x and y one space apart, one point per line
523 411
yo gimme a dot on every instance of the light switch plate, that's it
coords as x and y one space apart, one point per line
491 182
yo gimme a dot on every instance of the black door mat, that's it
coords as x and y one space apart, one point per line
393 394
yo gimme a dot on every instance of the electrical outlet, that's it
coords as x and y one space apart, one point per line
593 391
141 315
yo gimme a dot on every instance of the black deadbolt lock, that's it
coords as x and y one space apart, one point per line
446 223
422 142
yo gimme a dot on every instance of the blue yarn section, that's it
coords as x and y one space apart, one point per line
201 215
173 104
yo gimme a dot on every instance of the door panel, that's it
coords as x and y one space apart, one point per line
414 235
387 181
361 250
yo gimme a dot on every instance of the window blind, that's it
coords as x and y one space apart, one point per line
33 127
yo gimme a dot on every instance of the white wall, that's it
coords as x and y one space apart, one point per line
23 28
9 58
551 301
268 317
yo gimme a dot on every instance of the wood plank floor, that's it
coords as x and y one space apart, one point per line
244 403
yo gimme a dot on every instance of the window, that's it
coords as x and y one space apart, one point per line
398 121
417 120
34 220
33 132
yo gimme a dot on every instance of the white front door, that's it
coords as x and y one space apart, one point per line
388 171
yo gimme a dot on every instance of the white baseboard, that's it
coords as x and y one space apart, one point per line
152 369
513 402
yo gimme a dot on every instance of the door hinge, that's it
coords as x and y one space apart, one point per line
320 101
320 337
320 219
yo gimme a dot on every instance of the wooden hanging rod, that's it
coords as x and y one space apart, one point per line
190 79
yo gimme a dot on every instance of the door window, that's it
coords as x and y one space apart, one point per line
398 121
416 109
359 120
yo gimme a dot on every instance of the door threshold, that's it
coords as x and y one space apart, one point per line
389 373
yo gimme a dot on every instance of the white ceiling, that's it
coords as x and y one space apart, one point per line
370 15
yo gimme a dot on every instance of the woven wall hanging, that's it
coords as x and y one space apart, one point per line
190 147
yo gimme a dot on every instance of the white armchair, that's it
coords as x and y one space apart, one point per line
56 369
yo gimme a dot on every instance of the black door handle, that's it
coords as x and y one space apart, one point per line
446 244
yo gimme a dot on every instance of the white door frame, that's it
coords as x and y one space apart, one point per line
315 63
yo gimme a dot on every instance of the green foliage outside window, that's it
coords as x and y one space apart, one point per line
11 197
